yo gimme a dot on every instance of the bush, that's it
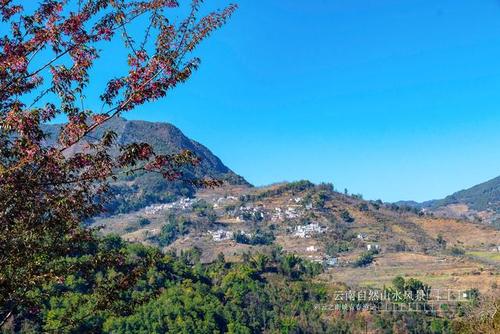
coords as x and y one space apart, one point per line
363 207
346 216
457 251
206 210
441 241
401 246
143 222
365 259
259 238
174 227
333 248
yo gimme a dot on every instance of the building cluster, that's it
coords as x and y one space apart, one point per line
289 213
182 204
371 247
245 213
307 231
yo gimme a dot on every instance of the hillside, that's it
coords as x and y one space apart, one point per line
360 243
481 203
482 197
140 190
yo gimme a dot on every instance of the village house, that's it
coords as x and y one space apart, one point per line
182 204
221 235
306 231
311 249
331 262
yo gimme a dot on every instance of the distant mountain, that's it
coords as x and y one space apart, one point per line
484 196
479 202
137 191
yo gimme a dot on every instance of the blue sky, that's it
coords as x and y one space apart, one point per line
391 99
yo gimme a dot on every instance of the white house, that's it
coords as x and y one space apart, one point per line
306 231
331 261
311 249
361 236
221 235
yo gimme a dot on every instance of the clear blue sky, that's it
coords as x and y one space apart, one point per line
392 99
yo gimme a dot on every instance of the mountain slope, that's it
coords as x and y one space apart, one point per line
480 202
319 224
484 196
137 191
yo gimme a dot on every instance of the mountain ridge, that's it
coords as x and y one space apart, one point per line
479 202
142 189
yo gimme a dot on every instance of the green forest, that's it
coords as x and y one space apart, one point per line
119 287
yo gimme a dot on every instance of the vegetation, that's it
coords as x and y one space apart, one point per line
293 187
457 251
147 291
48 190
481 197
365 258
334 248
295 267
144 222
441 241
174 227
258 238
346 216
58 276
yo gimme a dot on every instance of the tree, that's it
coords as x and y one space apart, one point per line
258 238
174 227
441 241
206 210
46 192
143 222
399 283
365 259
346 216
260 262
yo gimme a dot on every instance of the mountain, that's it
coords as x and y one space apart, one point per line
140 190
482 197
317 223
481 202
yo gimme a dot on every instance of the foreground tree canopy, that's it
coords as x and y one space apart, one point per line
46 57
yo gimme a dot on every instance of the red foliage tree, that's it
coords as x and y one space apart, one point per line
46 192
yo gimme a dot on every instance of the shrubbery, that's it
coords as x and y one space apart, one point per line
174 227
334 248
457 251
365 258
346 216
145 291
258 238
